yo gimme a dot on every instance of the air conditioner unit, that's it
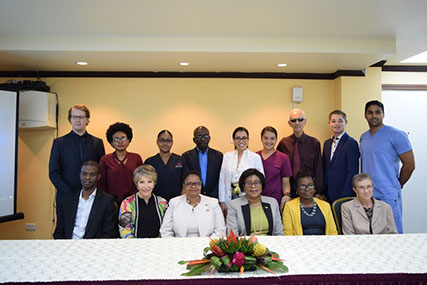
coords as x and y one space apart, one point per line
37 110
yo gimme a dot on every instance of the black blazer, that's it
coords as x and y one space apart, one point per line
102 222
340 170
65 162
212 173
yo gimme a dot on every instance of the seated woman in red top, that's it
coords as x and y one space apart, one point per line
117 168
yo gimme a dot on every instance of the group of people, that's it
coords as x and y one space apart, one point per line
206 193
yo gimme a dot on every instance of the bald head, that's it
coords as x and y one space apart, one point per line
296 112
297 121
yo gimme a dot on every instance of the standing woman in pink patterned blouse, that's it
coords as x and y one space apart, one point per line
117 168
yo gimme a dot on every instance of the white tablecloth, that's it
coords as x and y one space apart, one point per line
62 260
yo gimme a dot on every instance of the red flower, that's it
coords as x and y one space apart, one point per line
238 258
217 251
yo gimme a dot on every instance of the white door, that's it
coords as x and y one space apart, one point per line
407 110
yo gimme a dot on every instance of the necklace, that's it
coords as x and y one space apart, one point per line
313 212
196 203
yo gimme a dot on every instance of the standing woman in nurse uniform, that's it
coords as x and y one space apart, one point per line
277 168
233 165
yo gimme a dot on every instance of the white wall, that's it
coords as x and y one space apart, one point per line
405 110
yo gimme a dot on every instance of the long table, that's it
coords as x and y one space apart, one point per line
309 258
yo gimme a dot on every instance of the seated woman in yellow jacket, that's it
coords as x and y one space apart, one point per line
307 215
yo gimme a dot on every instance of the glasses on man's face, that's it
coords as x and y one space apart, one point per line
191 184
201 137
122 139
164 140
241 139
305 187
253 184
74 117
299 120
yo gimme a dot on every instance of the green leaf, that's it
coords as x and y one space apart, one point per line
182 262
196 269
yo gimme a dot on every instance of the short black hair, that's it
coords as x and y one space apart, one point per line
250 172
303 174
191 172
374 102
269 129
119 127
164 131
91 163
240 129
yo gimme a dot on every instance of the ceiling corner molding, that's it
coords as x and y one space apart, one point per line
341 73
405 68
379 63
150 74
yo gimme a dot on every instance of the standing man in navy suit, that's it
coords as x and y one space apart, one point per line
89 213
70 151
340 159
205 160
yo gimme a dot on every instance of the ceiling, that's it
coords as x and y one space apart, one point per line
311 36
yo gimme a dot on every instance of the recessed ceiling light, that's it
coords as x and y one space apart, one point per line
82 63
282 64
418 58
184 63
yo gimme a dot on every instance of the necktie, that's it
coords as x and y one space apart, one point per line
296 158
334 147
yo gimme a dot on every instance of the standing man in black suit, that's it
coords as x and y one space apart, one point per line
70 151
89 213
205 160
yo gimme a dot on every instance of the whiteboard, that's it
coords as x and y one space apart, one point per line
406 110
8 142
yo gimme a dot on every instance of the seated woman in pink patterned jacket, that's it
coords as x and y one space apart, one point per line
141 214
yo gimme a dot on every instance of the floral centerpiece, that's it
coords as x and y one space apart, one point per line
234 254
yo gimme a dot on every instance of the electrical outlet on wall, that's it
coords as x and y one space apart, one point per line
30 227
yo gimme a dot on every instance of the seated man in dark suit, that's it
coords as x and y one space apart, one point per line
70 151
205 160
88 213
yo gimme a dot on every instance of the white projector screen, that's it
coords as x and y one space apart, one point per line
8 153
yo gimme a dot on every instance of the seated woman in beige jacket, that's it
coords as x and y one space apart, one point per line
366 215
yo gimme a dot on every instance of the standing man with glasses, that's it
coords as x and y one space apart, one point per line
303 151
382 148
205 160
69 152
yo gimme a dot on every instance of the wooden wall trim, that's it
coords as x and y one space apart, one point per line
404 86
405 68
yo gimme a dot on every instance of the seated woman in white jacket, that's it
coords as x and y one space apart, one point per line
233 165
193 214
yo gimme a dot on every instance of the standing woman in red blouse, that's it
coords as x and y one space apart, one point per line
117 168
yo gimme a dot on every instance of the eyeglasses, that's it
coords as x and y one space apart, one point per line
252 184
190 184
199 137
241 139
164 141
299 120
122 139
305 187
74 117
